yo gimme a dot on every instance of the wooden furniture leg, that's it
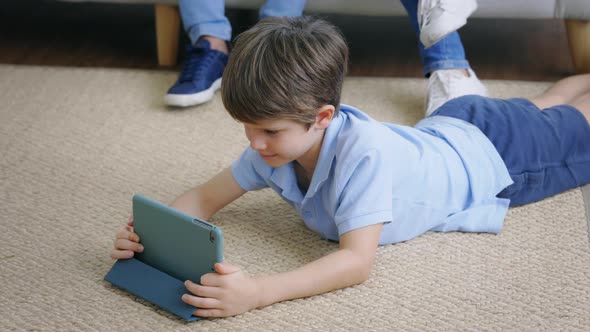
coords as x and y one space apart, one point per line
167 33
578 34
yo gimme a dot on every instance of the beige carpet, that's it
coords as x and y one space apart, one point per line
76 144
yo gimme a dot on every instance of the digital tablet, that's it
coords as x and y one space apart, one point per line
174 242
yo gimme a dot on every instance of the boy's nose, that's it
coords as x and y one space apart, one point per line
257 143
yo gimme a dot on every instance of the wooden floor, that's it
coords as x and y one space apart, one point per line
36 32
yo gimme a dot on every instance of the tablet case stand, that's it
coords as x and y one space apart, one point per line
184 247
152 285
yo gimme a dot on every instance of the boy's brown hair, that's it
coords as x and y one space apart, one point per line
285 68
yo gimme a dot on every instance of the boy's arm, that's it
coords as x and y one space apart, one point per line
351 264
206 199
202 201
229 292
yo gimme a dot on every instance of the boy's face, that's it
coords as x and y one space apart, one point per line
281 141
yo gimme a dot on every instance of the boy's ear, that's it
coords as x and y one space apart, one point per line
324 116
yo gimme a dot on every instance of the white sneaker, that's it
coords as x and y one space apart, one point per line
446 84
438 18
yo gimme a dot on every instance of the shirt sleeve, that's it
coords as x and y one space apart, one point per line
249 171
366 197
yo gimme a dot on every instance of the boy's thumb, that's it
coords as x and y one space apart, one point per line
225 268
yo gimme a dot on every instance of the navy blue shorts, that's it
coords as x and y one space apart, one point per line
546 151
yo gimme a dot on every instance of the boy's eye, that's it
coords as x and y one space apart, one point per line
271 132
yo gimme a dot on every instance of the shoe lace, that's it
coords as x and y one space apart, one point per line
198 59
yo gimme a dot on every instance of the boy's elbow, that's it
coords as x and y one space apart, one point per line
362 268
365 273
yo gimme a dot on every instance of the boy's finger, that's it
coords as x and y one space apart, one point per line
130 222
121 254
211 279
128 235
209 313
225 268
201 302
124 244
202 291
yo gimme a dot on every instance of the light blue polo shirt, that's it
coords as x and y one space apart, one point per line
441 175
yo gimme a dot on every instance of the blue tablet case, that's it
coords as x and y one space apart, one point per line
177 247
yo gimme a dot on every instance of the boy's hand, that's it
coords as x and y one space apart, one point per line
126 242
226 293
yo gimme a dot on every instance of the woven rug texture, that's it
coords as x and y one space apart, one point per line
76 144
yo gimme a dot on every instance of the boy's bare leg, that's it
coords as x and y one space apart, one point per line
582 103
565 91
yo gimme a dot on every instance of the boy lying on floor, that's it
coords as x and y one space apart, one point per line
365 183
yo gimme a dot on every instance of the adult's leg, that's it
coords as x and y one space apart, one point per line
450 75
209 31
204 18
438 18
448 53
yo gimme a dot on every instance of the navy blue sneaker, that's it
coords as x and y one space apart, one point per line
200 77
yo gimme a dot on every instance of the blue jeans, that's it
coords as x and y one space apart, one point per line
207 17
448 53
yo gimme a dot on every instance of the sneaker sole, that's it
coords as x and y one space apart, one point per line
430 35
193 99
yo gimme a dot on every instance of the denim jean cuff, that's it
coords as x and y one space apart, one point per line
219 30
290 8
445 64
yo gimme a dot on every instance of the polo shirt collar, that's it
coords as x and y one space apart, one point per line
327 154
284 177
